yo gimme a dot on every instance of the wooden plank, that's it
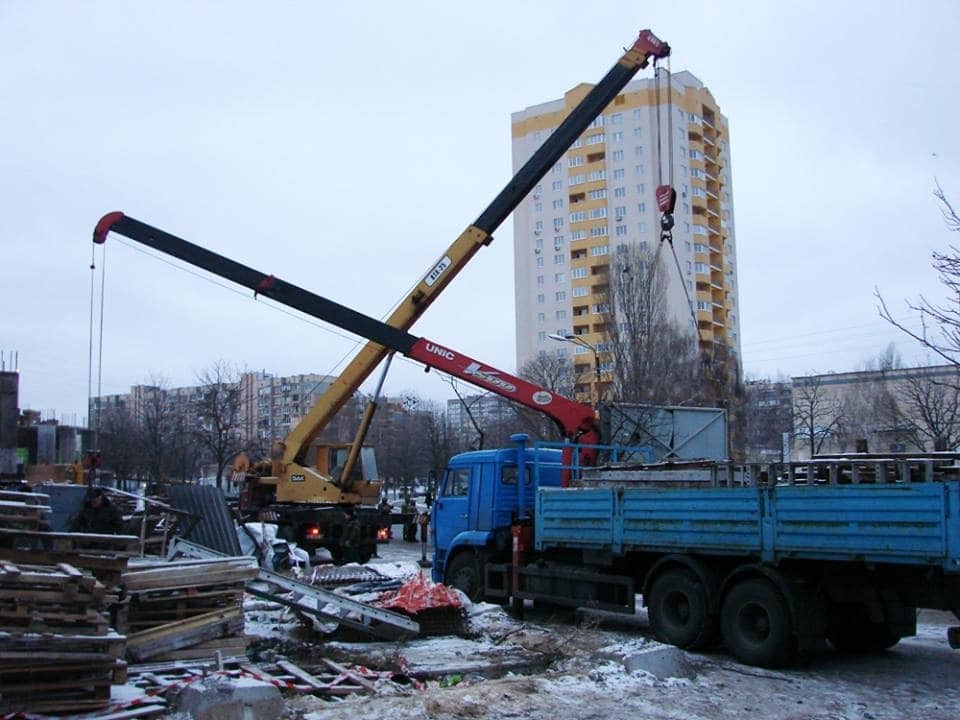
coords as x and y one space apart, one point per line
354 676
146 644
300 674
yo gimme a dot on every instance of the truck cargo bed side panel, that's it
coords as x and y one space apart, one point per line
901 523
723 520
576 518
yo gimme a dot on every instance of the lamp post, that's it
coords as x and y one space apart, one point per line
577 340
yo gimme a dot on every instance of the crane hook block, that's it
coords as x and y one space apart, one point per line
666 198
105 225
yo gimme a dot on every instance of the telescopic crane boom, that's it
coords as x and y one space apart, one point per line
645 48
575 420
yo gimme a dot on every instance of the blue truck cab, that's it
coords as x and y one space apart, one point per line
478 501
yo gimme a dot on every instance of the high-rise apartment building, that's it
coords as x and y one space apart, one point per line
600 197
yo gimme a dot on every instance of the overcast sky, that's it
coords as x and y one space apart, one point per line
343 147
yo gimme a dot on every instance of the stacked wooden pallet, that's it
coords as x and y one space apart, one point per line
178 605
24 511
57 651
104 556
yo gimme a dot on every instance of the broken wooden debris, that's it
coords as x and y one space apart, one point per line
323 604
330 679
161 639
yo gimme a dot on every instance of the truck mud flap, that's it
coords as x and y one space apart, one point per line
573 587
215 530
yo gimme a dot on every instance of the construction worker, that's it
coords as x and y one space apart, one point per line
98 515
350 539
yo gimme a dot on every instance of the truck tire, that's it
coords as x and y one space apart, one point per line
463 573
850 630
756 625
679 611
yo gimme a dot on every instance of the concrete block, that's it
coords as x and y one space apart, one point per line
661 661
231 699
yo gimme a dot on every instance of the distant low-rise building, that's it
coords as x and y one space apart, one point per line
881 411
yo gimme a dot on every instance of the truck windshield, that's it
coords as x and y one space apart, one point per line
457 482
508 475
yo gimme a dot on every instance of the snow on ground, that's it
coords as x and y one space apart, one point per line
583 674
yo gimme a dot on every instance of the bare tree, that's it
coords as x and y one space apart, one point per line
156 417
766 416
554 373
816 413
929 410
217 413
120 443
944 317
654 360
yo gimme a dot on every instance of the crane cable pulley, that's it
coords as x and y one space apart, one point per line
666 194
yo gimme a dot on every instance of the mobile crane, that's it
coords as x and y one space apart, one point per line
290 487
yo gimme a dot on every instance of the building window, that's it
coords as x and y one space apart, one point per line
538 225
561 314
597 213
539 279
598 194
541 317
559 259
618 137
620 230
575 180
557 185
600 250
616 119
542 336
618 174
638 169
575 161
557 223
578 216
641 207
700 267
598 231
558 204
597 122
595 139
638 132
557 241
577 234
620 192
540 262
617 155
560 278
580 292
596 175
578 273
620 211
638 151
540 299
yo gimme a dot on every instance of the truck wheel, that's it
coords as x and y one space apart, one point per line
756 625
463 573
851 631
678 610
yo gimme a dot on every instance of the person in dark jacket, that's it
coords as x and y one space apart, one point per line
350 539
98 515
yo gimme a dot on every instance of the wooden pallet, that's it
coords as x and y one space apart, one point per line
104 556
43 599
52 673
162 639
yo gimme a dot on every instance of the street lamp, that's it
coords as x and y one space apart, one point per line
577 340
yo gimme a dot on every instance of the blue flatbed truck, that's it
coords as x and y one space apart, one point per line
845 551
